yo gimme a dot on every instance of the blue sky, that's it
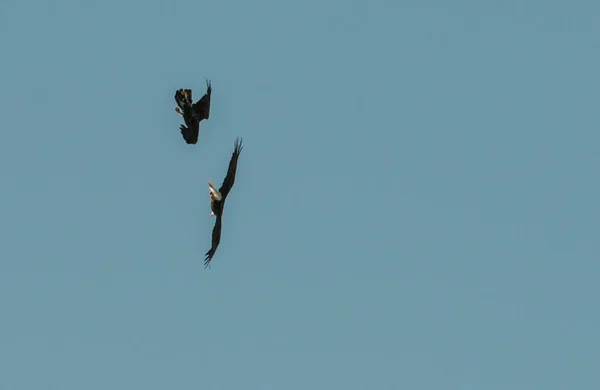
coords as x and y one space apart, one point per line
416 205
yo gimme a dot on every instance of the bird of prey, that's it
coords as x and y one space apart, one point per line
217 200
192 113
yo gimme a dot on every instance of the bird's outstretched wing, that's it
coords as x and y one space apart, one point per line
216 238
202 106
230 177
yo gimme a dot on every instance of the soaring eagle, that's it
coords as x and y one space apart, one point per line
217 200
192 113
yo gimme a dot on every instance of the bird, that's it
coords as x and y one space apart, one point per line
217 200
192 113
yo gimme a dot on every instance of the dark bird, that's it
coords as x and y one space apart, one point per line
192 113
217 199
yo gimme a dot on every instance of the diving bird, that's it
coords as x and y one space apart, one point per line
192 113
217 200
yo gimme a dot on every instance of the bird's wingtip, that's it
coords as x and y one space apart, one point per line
208 259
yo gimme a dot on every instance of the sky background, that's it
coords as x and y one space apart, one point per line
416 204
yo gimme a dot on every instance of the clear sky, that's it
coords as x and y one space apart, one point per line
416 204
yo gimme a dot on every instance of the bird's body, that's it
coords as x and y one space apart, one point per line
218 197
216 200
193 113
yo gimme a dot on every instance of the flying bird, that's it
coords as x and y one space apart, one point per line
217 200
192 113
